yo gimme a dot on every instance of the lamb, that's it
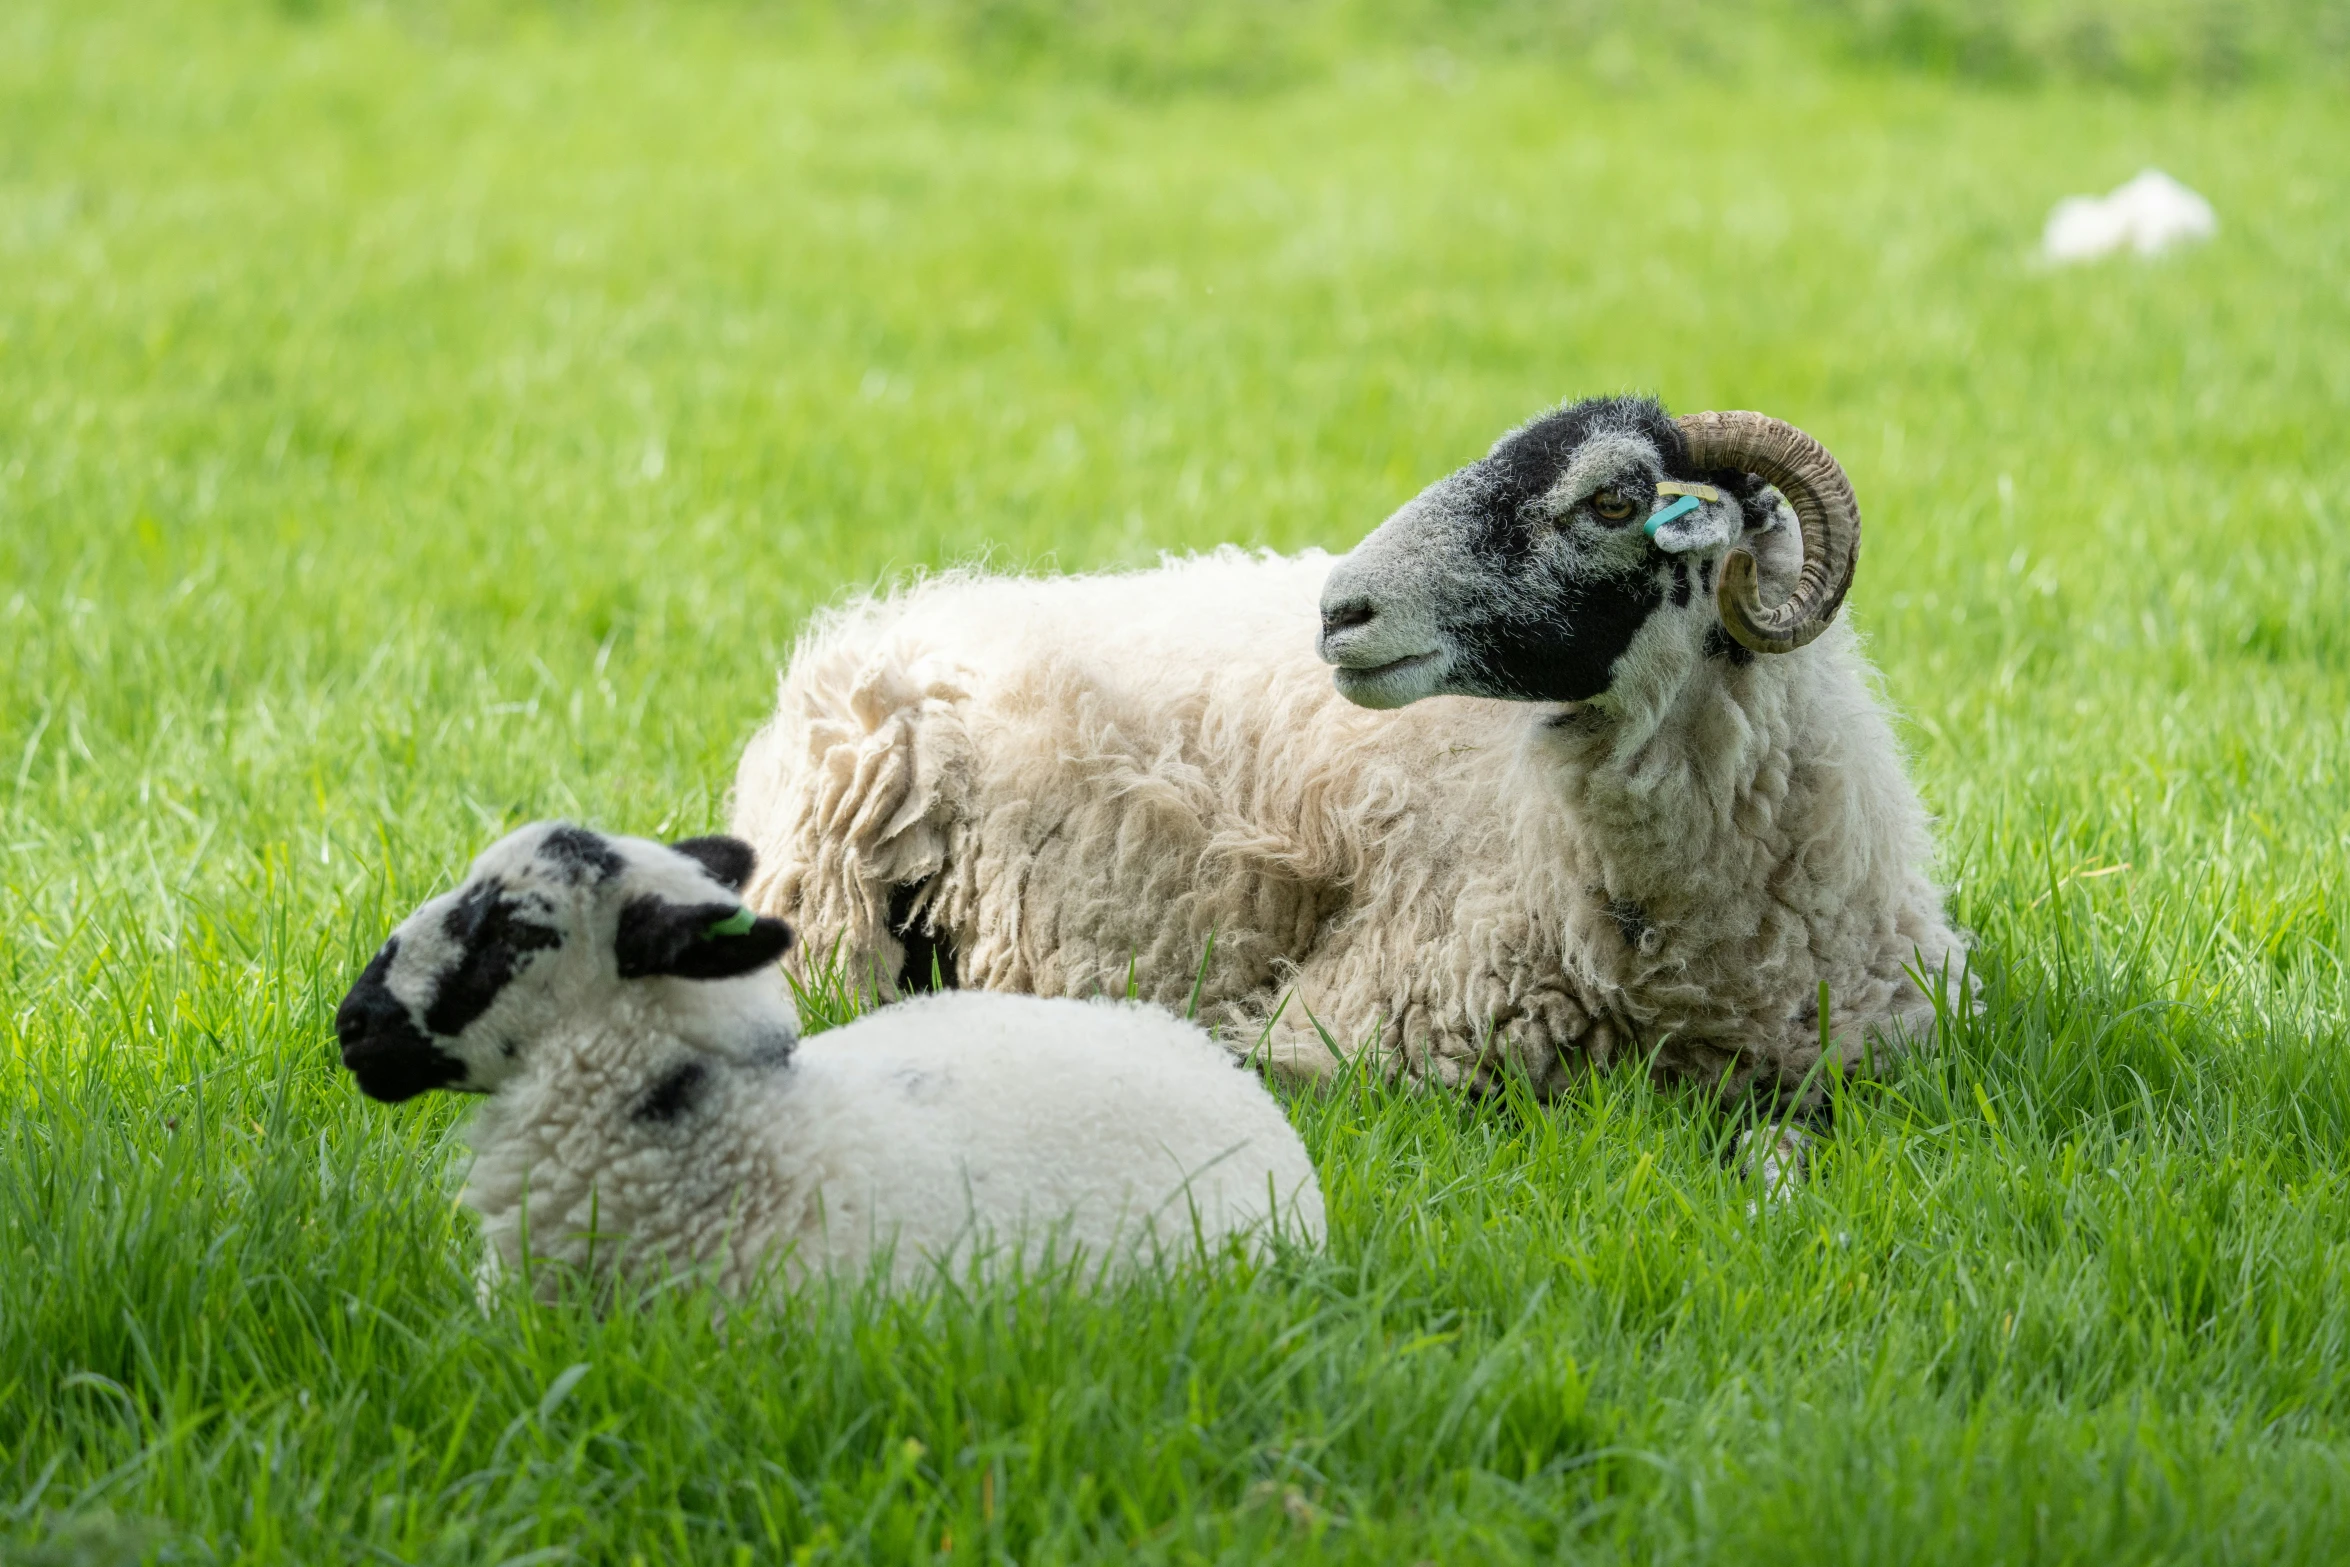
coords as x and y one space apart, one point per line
1599 779
652 1106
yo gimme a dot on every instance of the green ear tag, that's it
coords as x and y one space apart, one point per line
1664 514
736 924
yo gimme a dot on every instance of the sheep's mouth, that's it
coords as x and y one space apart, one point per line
1393 666
1395 683
391 1068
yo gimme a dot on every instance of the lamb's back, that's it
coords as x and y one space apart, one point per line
1024 1117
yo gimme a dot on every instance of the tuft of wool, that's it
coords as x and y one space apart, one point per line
2148 215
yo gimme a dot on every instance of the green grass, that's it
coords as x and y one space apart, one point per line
416 422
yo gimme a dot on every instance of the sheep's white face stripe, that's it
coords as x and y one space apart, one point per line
1603 461
425 954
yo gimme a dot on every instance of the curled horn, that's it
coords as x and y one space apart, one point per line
1815 486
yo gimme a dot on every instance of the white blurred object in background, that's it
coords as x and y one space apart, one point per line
2148 215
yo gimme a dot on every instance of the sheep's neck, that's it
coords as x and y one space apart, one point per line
1674 797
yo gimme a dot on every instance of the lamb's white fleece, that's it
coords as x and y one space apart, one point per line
923 1130
1091 776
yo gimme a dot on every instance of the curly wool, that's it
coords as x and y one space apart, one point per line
1088 778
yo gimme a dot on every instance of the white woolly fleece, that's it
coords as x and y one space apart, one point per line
915 1134
1090 772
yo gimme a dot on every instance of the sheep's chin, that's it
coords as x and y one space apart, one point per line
1396 684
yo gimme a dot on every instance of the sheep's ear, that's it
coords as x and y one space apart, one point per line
695 940
1708 525
730 860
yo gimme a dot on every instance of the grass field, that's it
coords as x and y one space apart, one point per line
416 422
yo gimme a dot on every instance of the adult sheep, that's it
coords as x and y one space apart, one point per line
1639 800
652 1106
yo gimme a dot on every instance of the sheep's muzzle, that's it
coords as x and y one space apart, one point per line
381 1044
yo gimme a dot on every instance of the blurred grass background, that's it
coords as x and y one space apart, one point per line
419 418
2138 44
1156 46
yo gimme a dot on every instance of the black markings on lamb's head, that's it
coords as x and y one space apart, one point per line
547 921
729 861
659 937
587 856
444 1001
448 1000
493 932
1528 575
380 1041
681 916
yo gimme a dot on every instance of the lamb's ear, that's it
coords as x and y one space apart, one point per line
730 860
695 940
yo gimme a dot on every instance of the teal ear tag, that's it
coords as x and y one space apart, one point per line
738 923
1664 514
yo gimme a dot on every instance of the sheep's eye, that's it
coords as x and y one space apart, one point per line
1611 507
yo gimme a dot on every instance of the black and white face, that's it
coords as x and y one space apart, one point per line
547 915
1530 575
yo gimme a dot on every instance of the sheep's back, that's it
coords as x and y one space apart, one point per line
949 1120
1084 777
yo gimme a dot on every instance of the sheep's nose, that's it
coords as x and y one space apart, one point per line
1347 616
370 1007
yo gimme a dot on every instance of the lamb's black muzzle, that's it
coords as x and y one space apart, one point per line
382 1046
